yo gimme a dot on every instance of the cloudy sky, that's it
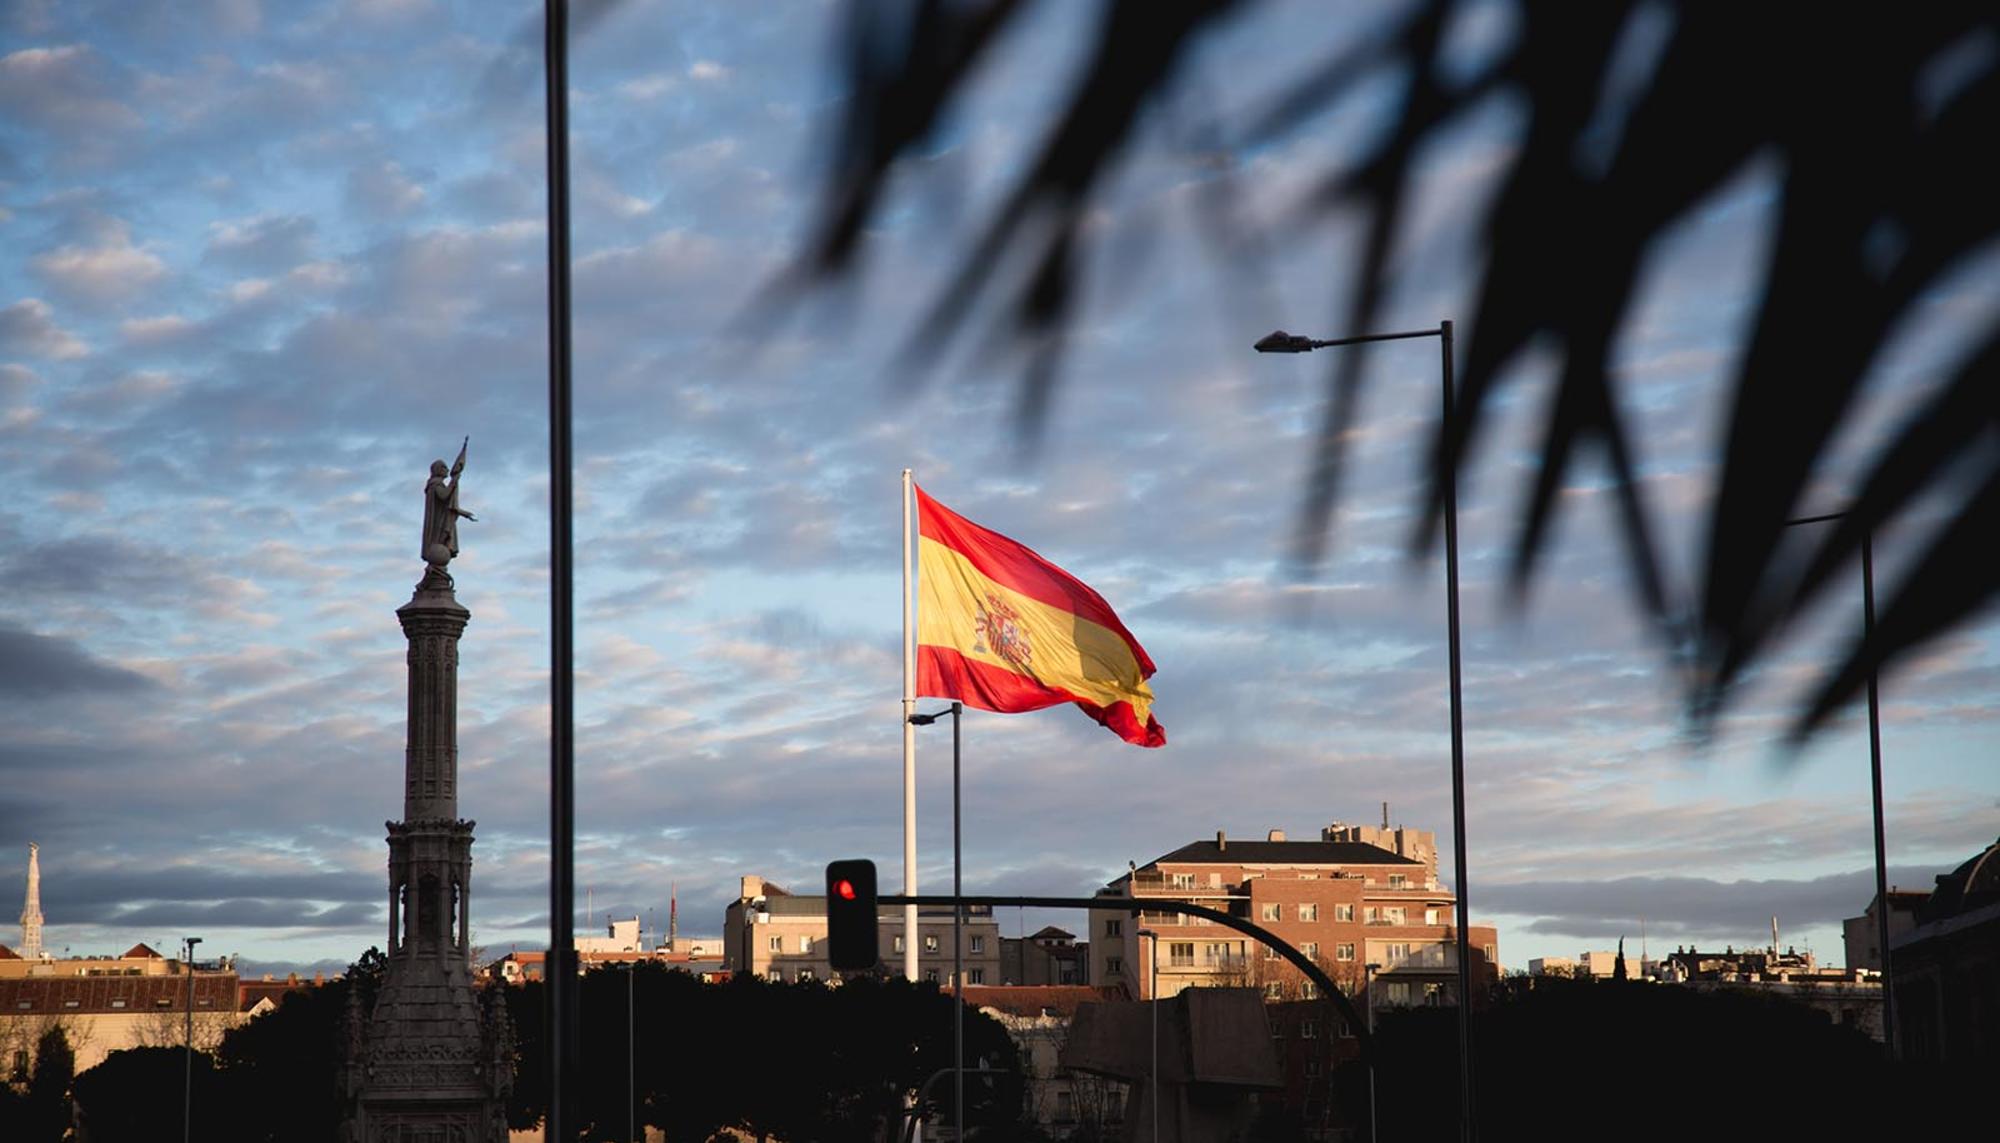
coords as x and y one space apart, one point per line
263 262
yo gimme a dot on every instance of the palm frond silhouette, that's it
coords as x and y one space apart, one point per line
1878 128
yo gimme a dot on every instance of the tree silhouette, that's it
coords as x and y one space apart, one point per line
1878 130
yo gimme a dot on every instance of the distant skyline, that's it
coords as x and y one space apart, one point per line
264 262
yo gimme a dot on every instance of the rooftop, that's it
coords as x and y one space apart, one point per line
1282 853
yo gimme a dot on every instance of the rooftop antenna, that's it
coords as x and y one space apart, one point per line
1385 815
1774 935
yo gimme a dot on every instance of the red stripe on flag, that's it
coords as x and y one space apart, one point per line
943 672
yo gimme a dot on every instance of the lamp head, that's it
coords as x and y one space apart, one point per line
1278 341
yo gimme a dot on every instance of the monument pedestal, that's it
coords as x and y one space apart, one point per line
430 1064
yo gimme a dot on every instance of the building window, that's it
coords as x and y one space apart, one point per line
1270 953
1372 915
805 974
775 975
1395 915
1343 912
978 945
1309 990
931 974
930 944
1396 952
1490 957
975 976
1309 912
805 944
1346 1030
1398 881
118 1003
1308 1030
1310 949
1182 880
1180 954
1430 916
1113 965
1312 1067
73 1004
1114 928
1399 992
777 944
1274 991
1343 952
1272 912
1215 881
899 944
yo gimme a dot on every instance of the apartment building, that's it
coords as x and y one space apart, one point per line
778 935
1346 903
1050 956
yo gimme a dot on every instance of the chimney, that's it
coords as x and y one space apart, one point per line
1276 835
1385 815
753 886
1221 840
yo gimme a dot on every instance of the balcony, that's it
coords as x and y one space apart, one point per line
1156 886
1426 957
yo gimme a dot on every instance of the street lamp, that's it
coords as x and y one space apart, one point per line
1874 774
187 1087
1368 996
1153 1002
1281 342
956 711
631 1086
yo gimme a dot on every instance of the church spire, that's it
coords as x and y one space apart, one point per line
31 912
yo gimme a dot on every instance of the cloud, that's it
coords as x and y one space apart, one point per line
110 271
382 188
1688 905
16 382
29 326
64 89
41 666
263 244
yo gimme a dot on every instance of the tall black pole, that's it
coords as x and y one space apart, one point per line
1448 474
1282 342
1875 777
561 961
1874 773
187 1086
957 939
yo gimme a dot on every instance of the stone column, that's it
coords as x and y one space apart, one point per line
433 1064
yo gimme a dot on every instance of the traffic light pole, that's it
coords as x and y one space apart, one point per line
1363 1037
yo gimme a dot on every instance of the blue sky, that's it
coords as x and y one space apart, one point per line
263 262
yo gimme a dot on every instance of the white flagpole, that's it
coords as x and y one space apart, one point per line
909 747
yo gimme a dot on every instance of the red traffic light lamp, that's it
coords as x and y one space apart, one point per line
852 942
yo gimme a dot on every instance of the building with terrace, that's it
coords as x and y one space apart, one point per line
1353 897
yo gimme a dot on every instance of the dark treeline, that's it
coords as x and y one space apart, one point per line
784 1061
1583 1059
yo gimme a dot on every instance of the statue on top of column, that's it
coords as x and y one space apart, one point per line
441 512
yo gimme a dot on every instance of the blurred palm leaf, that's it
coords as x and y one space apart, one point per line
1879 130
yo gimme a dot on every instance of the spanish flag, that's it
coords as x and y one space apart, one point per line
1002 629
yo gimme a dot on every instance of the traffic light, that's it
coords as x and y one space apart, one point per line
852 944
